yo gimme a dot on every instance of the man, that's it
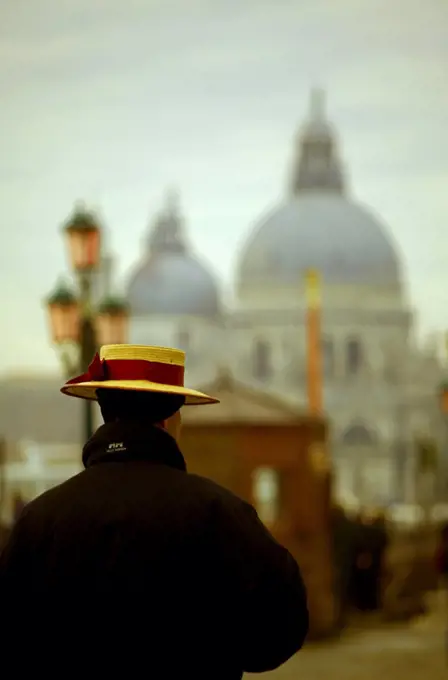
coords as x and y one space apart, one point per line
442 569
344 535
442 553
134 567
442 558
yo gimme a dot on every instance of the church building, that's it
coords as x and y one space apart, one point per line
380 388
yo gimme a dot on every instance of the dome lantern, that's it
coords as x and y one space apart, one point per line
167 235
317 167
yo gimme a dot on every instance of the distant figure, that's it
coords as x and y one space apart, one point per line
380 544
442 569
345 540
372 545
135 568
442 556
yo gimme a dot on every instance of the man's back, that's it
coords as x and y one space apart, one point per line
147 563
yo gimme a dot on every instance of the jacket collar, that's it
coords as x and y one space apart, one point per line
126 441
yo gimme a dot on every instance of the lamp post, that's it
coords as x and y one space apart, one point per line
77 324
2 479
426 454
314 341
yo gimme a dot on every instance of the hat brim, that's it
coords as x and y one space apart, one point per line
87 390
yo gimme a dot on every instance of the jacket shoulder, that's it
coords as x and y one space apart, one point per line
50 498
212 491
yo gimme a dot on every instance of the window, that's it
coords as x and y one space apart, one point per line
377 481
359 441
328 359
353 357
392 368
358 435
266 494
262 360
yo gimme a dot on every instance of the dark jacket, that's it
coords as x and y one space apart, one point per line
135 564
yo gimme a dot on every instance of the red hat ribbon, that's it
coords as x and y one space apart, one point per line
131 369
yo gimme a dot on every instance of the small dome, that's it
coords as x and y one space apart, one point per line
170 280
174 284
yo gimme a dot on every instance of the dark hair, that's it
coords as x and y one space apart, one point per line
150 407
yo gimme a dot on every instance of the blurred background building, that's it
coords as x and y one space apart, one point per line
380 388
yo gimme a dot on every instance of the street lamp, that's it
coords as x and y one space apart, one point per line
112 322
76 325
63 308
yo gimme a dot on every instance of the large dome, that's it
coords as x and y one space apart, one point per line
318 226
170 280
327 232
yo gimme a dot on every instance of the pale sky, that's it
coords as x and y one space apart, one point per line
113 102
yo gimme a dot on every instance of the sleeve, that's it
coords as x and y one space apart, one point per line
268 591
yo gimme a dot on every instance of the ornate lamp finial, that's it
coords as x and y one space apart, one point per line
167 233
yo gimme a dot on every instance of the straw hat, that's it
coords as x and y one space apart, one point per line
139 368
